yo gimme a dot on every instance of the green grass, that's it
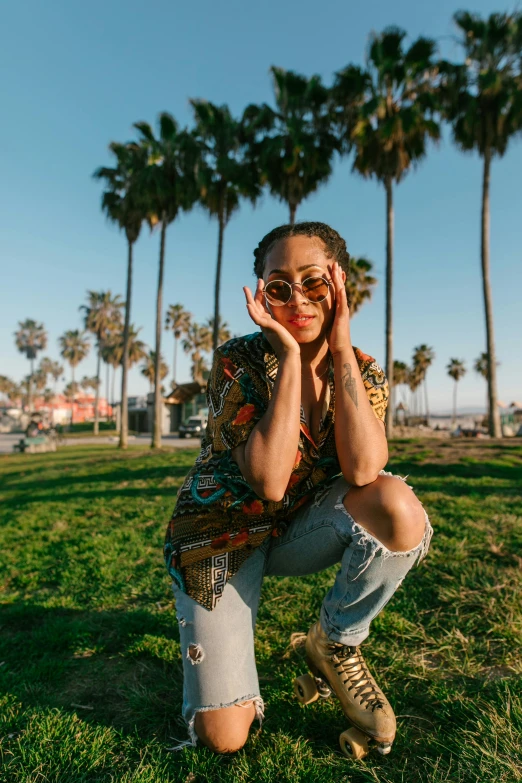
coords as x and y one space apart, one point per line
82 427
90 665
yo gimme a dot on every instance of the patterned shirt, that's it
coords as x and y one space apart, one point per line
219 520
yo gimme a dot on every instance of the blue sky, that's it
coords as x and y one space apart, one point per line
77 75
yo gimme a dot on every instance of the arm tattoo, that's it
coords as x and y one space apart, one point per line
349 383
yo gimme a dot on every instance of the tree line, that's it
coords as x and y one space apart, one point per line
413 377
103 320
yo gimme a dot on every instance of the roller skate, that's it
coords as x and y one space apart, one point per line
342 669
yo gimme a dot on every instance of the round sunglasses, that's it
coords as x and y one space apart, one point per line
279 292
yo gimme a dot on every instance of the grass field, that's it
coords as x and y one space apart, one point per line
90 664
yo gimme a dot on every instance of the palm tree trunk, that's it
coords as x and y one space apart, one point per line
112 391
158 403
175 359
53 404
293 210
124 409
455 403
72 397
107 374
215 335
97 393
494 416
30 387
389 322
426 402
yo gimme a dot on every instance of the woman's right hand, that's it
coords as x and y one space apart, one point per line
279 338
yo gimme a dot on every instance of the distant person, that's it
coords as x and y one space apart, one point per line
35 426
290 481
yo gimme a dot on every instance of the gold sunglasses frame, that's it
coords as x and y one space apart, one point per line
281 304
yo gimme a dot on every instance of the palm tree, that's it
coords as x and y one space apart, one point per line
200 370
482 101
456 370
149 368
400 375
16 395
169 185
48 398
87 383
74 348
55 370
198 339
415 377
71 391
177 321
223 332
112 351
423 357
293 143
102 314
112 355
359 283
24 386
122 201
7 387
386 116
482 367
225 173
39 380
30 338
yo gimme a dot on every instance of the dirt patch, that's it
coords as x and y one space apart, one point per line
420 432
498 672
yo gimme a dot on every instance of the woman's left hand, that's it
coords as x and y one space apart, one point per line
339 335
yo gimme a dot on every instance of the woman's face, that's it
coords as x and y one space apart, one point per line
294 259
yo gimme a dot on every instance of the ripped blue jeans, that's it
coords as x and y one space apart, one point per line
219 665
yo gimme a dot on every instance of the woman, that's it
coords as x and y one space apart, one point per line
290 481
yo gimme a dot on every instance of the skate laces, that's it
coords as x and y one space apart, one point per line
355 675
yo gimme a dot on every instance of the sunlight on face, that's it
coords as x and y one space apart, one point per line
294 260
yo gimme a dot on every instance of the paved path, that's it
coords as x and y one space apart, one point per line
7 441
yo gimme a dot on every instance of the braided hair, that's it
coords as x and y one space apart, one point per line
335 246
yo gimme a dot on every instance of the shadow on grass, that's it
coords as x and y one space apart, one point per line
461 478
116 668
458 470
27 465
65 487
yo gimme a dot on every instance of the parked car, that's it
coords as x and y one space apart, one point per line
193 427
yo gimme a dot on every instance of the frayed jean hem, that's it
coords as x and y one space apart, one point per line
190 721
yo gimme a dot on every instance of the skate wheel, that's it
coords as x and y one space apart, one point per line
305 689
354 744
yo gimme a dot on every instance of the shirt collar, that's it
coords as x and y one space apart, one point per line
271 367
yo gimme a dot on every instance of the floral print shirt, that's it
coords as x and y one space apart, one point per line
219 520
